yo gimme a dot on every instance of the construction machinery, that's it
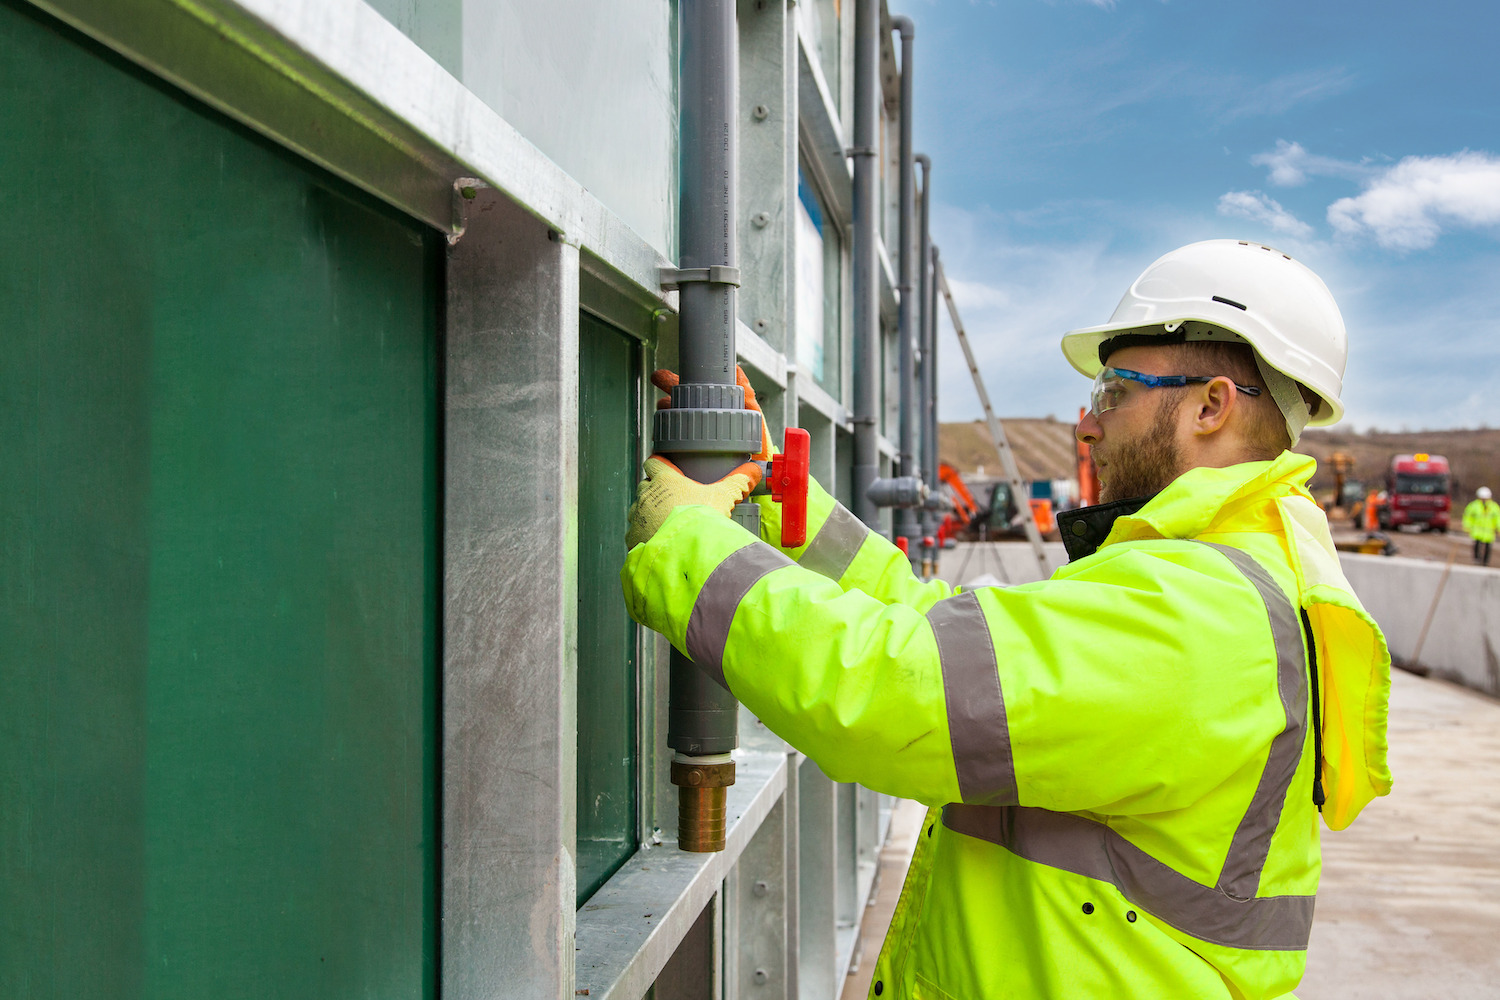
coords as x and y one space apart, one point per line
997 432
965 507
1418 491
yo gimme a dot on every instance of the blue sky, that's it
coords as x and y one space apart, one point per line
1074 141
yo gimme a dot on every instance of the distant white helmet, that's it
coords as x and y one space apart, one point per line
1256 293
1484 493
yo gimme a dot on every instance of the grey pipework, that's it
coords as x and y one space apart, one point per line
707 430
866 264
927 388
908 521
906 493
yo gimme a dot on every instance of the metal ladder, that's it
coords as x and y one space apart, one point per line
1018 489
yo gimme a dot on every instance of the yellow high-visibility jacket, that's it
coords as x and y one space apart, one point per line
1482 519
1119 759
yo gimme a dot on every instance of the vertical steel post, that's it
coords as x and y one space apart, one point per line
867 112
908 520
707 430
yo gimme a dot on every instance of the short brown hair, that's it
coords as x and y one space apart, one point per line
1265 427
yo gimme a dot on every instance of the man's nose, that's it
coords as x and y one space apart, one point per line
1088 430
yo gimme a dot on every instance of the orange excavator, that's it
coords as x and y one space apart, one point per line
966 509
964 505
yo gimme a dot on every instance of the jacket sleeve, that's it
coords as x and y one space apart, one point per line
1136 685
841 547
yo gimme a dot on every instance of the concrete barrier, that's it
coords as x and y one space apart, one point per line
1007 562
1463 639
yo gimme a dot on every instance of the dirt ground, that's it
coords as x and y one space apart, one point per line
1423 545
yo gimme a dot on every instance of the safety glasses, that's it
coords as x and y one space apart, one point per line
1110 385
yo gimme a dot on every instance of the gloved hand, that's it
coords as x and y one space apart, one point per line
665 379
666 488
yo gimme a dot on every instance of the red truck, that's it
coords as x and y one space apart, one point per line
1417 492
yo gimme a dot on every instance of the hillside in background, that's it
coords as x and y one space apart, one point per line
1044 450
1473 455
1043 447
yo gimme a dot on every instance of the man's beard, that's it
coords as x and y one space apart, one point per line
1147 465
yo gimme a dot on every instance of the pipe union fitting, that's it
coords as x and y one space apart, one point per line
899 491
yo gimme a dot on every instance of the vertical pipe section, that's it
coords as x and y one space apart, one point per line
710 58
707 430
941 506
908 523
866 264
927 386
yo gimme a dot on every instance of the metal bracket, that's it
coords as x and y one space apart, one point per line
465 190
672 278
861 151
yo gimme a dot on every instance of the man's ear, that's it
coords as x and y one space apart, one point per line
1213 402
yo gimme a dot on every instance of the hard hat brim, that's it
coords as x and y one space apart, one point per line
1081 348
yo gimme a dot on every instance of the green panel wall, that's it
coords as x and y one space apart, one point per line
608 469
219 559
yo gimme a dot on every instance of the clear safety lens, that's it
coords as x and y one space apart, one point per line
1108 392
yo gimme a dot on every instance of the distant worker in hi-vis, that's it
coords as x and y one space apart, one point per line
1481 521
1124 764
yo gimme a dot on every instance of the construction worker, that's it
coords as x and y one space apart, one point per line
1481 521
1124 763
1373 500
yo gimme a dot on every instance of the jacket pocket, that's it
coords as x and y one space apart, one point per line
925 989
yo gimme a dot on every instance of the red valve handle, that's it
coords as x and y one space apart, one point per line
788 482
903 545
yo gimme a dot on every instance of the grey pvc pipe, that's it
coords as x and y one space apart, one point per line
927 386
866 263
702 714
906 186
932 358
908 521
710 140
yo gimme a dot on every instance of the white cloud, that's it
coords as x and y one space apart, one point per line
977 295
1408 206
1291 165
1019 288
1258 207
1017 295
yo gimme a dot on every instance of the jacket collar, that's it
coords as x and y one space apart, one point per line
1187 507
1084 529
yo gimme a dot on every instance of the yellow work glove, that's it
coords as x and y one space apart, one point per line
666 488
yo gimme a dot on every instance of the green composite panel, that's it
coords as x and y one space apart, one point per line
219 561
608 469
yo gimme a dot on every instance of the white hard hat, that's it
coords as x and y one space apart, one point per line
1279 306
1484 492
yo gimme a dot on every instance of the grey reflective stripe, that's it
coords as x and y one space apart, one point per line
834 547
1252 841
1089 848
726 586
977 726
